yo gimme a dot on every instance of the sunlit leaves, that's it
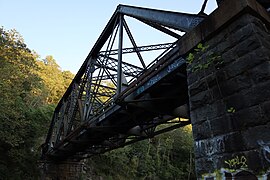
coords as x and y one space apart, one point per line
24 116
55 80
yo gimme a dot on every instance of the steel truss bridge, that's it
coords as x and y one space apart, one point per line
113 102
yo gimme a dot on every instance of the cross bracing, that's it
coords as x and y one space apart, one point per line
113 101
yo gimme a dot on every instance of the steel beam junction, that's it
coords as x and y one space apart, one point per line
108 82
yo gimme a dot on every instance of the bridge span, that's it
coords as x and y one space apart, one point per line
113 102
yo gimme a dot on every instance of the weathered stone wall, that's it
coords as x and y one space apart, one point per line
68 170
230 99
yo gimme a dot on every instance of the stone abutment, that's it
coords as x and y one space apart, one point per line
228 57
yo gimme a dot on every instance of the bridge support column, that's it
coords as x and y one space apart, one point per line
229 91
66 170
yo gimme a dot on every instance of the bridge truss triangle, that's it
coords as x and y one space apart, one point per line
113 102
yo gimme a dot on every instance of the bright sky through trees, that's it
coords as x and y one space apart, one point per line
67 30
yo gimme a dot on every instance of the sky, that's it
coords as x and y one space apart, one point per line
68 29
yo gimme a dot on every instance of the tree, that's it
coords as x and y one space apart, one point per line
167 156
56 81
22 97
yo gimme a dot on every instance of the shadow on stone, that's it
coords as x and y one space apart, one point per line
244 175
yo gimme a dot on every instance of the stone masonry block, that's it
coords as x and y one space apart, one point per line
216 109
266 109
226 143
208 112
255 161
266 42
228 56
240 23
193 77
260 73
233 142
63 170
256 137
221 125
209 147
200 99
242 34
258 94
197 87
224 46
221 76
262 34
241 83
211 80
201 130
204 165
263 52
258 25
238 100
198 115
216 92
248 117
246 62
235 84
249 97
247 46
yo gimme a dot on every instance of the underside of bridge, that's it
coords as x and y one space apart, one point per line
117 99
119 96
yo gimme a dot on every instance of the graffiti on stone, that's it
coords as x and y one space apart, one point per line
266 149
209 147
237 162
229 174
239 174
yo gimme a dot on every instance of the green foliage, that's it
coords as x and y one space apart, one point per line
231 110
55 81
167 156
204 58
24 112
18 81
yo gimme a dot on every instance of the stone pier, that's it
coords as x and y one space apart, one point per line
229 91
64 170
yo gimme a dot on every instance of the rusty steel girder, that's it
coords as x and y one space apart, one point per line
110 101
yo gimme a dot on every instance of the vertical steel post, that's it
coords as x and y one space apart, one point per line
203 7
120 49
